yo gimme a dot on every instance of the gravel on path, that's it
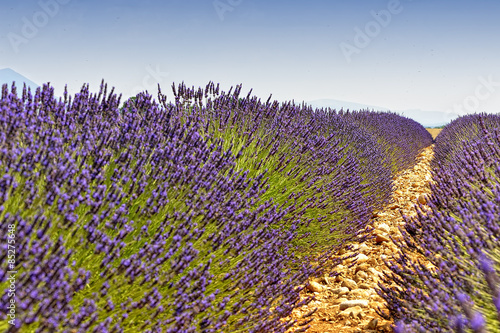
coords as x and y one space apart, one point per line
346 303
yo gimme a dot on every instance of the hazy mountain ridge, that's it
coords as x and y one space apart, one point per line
8 76
424 117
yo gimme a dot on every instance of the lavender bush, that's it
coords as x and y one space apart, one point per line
196 215
459 236
401 138
311 155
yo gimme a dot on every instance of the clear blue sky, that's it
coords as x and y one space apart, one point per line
427 54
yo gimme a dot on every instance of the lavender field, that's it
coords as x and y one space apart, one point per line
459 235
210 212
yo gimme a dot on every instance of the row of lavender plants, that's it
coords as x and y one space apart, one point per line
458 234
345 161
397 142
203 214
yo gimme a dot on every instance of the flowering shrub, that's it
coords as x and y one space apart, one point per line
339 156
401 138
198 215
460 236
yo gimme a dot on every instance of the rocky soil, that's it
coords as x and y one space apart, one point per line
347 302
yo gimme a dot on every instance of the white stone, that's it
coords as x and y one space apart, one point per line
384 227
361 258
363 248
315 287
348 283
341 291
349 304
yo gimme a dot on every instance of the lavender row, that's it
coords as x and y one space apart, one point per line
360 152
459 237
454 136
401 138
176 217
124 226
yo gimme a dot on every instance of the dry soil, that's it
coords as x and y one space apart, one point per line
434 131
347 302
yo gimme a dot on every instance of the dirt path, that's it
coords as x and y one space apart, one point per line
434 131
347 303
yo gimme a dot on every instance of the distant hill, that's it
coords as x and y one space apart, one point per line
426 118
8 76
429 118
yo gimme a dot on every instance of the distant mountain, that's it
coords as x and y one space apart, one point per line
8 76
429 118
426 118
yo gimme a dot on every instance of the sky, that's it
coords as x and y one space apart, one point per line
426 55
